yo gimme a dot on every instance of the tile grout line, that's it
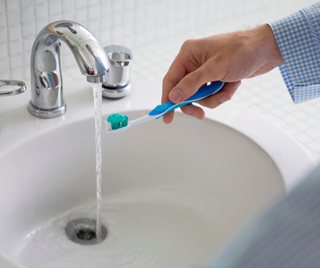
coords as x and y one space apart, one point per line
21 37
8 41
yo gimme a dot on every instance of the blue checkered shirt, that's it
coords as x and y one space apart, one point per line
298 37
287 233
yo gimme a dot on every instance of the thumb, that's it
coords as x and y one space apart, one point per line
190 84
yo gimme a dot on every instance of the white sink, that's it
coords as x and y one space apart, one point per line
173 194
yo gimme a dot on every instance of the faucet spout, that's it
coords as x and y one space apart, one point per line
46 77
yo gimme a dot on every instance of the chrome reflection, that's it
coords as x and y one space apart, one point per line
49 80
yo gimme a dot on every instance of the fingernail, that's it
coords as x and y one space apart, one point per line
236 85
176 96
223 99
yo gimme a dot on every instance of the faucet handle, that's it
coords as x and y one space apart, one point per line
117 82
16 91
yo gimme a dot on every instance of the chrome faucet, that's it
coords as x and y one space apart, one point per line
118 83
46 78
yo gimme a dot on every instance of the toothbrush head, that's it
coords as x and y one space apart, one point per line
116 121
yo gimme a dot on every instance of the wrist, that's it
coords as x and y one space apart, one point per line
266 46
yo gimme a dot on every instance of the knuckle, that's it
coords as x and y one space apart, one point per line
165 79
193 78
188 44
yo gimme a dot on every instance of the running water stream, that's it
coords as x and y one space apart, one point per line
97 96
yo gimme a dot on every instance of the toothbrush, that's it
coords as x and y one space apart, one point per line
117 122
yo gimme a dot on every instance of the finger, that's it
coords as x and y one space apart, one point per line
190 84
193 110
221 97
173 76
168 117
175 73
183 64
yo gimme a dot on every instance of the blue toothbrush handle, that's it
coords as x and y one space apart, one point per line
202 93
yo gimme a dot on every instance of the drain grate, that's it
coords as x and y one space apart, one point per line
83 231
86 234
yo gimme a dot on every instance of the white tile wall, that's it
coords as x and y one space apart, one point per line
129 22
155 30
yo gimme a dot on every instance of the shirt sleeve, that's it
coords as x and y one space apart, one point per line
298 37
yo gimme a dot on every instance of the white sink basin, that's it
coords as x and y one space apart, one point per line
173 194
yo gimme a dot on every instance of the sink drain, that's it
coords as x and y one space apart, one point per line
83 231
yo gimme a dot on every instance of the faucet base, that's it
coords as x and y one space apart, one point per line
47 114
116 92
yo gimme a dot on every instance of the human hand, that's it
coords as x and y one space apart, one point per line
228 57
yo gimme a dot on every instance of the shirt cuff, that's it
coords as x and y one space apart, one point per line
297 36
